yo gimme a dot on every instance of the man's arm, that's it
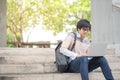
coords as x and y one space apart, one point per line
66 46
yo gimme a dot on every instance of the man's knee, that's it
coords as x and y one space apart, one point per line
83 59
102 59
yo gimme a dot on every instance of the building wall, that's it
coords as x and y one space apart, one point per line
116 23
106 23
2 23
101 15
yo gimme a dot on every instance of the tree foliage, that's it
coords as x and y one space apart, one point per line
55 15
20 15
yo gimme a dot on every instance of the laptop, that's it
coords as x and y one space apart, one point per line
97 49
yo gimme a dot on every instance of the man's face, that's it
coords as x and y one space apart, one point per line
83 32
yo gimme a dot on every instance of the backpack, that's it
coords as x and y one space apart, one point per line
62 60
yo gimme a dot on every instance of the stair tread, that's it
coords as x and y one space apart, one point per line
40 68
41 58
57 76
34 51
53 73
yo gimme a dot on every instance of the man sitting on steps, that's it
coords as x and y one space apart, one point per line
78 60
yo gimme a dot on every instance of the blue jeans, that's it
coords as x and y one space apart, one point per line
82 65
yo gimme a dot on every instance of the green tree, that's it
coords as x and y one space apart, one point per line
56 14
20 15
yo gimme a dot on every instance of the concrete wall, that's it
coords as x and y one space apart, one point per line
106 23
101 14
116 23
2 23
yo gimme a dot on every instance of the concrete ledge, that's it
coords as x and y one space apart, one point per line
57 76
38 64
34 51
27 59
26 51
40 68
27 68
35 59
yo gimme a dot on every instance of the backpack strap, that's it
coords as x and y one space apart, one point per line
74 41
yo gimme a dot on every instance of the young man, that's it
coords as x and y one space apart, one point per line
78 61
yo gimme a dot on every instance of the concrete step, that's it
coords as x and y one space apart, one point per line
31 59
112 58
26 51
27 68
38 64
37 55
40 68
34 51
56 76
38 60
